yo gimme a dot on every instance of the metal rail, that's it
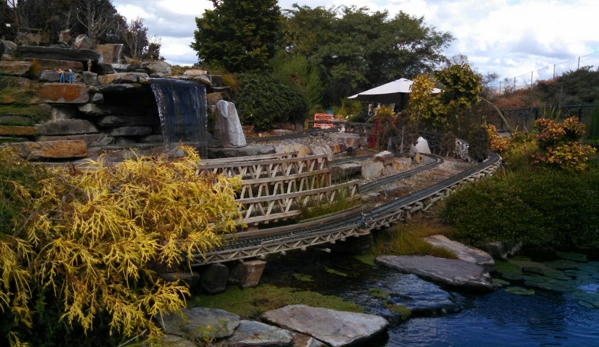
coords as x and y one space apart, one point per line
341 226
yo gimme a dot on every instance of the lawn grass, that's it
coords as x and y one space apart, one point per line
250 303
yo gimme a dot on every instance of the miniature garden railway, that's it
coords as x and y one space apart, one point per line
354 222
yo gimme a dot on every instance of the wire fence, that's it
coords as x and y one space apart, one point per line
522 119
550 72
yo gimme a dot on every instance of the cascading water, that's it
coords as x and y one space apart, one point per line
182 110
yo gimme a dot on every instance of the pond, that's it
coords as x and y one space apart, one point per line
549 317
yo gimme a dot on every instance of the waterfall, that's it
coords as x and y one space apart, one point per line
182 110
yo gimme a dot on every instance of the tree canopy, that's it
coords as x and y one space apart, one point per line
238 35
356 49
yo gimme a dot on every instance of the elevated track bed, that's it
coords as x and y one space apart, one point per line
338 227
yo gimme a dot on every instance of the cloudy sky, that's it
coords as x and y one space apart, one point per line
508 37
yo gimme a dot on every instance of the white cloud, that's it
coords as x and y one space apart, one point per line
509 37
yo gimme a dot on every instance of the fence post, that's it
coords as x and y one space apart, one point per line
531 78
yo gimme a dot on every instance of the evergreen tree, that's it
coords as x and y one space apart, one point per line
238 35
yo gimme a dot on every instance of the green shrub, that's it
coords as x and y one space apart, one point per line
490 211
263 100
593 130
568 203
479 144
295 70
551 208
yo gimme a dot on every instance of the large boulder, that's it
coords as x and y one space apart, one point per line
159 66
336 328
218 323
463 252
195 72
83 42
251 333
422 146
384 157
231 133
64 93
110 53
57 53
8 47
453 273
372 170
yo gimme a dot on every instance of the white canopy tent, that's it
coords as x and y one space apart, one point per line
389 93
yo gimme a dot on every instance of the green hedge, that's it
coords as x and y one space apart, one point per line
551 208
263 100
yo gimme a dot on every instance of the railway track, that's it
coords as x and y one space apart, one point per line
338 227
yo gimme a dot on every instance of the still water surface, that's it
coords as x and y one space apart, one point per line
495 319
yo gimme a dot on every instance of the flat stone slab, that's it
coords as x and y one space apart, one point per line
457 274
50 64
64 93
124 77
10 130
463 252
423 298
52 150
251 333
67 127
240 152
335 328
57 53
199 319
14 68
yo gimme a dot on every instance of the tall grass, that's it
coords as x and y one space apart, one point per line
315 208
409 240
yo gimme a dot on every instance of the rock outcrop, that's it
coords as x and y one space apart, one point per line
217 323
463 252
456 274
231 133
335 328
57 53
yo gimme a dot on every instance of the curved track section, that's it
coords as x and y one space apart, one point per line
343 225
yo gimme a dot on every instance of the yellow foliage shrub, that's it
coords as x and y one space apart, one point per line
92 235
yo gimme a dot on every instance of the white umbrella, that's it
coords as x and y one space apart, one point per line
388 93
